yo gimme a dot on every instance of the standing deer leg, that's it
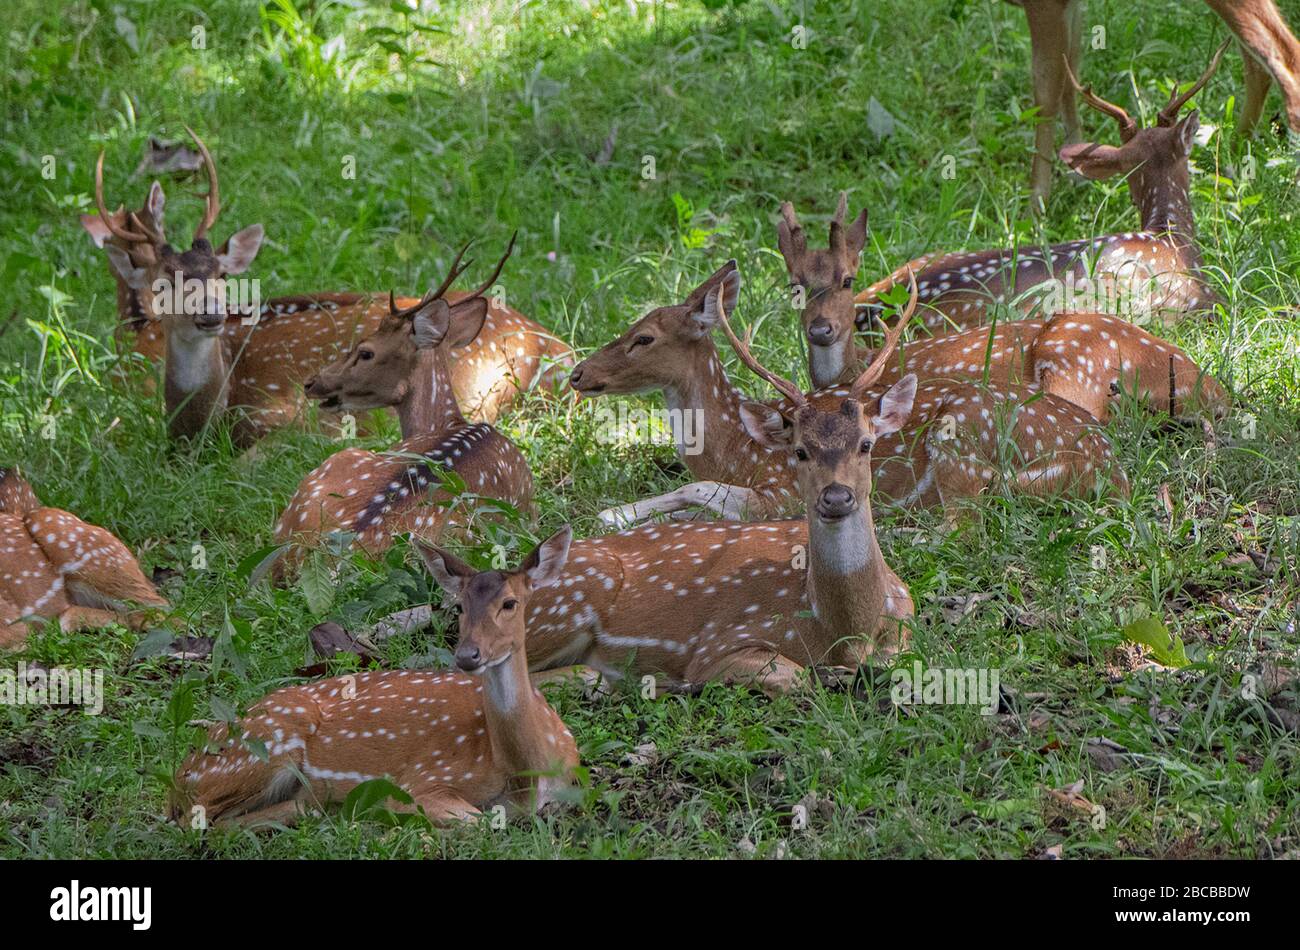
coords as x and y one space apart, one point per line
1264 33
727 501
1257 81
1074 50
1050 43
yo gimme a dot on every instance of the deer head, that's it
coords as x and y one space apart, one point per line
382 369
185 289
493 604
1153 158
822 280
832 450
658 350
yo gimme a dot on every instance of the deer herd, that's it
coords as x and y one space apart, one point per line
768 565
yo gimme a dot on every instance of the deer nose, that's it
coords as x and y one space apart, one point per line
308 386
468 657
836 501
575 377
820 332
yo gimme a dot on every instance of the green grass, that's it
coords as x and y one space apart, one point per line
486 119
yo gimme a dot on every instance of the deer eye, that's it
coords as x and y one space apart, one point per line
865 447
847 283
801 455
643 340
510 604
365 355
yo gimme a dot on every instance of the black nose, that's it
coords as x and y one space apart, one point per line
820 332
468 657
836 501
309 385
575 377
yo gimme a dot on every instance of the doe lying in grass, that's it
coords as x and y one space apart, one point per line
53 564
456 746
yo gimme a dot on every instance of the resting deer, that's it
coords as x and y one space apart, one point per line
404 364
268 358
947 451
1154 273
53 564
751 603
1269 53
1084 358
459 743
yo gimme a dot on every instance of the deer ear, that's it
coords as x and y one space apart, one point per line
240 249
154 204
856 235
766 426
1093 161
704 317
96 228
545 565
431 323
1186 132
449 571
895 407
467 321
120 261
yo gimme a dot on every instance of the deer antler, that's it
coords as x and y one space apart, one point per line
496 273
212 198
868 377
1127 127
1169 114
145 235
786 388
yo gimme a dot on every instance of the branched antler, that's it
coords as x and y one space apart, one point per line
868 377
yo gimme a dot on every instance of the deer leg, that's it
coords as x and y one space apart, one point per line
442 806
765 669
593 682
1074 50
727 501
284 813
1049 41
87 618
1262 30
1257 81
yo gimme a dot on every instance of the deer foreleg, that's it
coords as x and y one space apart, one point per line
726 501
764 669
1050 42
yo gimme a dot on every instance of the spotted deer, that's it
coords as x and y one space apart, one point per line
1269 54
376 495
459 743
1154 274
269 355
54 565
953 446
1088 359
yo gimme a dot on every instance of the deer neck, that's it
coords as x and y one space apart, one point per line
518 720
196 380
430 405
832 365
1165 203
707 406
847 577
